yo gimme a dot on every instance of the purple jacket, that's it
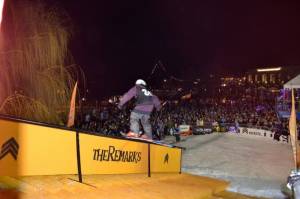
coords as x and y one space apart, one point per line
145 100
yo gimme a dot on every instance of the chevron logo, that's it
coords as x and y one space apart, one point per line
10 146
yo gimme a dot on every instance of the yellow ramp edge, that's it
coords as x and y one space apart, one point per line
139 186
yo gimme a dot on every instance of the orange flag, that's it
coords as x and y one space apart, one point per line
293 131
71 117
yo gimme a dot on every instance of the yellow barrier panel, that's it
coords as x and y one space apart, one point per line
165 159
28 149
101 155
31 149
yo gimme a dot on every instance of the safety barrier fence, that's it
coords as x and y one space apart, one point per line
33 148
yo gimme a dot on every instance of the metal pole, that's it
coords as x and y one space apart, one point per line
149 163
180 161
78 157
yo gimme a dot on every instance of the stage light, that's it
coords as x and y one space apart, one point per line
1 10
268 69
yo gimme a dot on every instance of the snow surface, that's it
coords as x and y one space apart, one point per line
253 166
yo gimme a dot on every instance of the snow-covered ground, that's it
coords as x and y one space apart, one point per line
254 166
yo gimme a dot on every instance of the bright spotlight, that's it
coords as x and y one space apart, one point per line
268 69
1 10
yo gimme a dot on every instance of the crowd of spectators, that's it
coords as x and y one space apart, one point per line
228 106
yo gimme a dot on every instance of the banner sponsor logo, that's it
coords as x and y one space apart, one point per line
198 130
203 130
10 146
252 132
184 128
248 131
166 159
111 154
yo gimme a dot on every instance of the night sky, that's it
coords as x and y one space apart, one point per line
116 42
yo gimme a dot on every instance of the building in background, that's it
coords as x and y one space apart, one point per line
272 75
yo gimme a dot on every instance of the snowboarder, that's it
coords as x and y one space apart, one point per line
145 103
